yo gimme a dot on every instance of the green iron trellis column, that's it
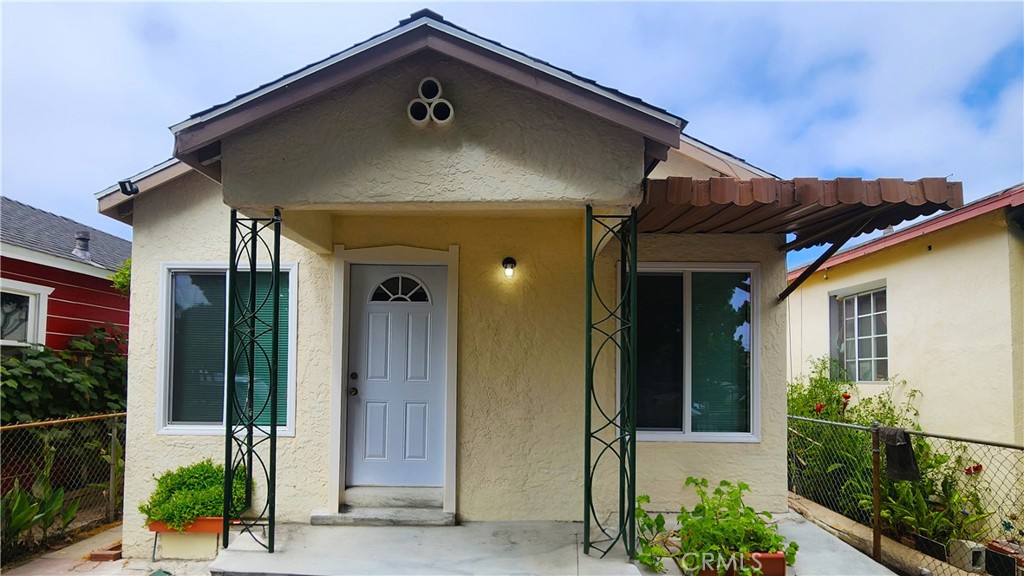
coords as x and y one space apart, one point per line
612 433
248 332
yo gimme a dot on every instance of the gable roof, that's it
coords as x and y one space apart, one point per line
34 229
1011 199
197 138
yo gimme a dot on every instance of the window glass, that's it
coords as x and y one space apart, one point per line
14 324
721 351
264 342
660 352
864 352
198 347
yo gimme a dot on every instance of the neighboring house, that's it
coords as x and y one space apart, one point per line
433 323
55 277
939 304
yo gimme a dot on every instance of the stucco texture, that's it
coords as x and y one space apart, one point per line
954 320
355 147
188 222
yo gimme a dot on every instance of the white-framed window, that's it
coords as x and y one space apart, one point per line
860 334
192 347
697 358
23 320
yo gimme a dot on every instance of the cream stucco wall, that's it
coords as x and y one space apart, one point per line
955 316
355 146
520 371
188 222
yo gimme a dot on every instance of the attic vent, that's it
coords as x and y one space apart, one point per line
429 106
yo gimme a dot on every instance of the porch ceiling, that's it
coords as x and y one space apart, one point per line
815 211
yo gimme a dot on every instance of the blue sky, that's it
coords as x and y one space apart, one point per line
801 89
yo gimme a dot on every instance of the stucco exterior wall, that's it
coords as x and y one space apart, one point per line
663 466
954 316
355 146
188 222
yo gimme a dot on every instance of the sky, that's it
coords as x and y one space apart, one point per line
905 90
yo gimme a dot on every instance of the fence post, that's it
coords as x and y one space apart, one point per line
112 482
876 492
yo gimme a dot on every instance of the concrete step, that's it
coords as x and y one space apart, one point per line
394 497
352 516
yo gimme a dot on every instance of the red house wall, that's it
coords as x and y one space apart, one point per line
78 301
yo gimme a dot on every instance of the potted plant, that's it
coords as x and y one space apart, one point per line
191 499
720 536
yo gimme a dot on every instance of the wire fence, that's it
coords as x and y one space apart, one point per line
963 511
59 477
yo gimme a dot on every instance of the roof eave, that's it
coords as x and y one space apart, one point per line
113 204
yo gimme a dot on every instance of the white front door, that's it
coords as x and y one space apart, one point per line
396 379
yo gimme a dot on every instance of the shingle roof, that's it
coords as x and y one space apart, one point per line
34 229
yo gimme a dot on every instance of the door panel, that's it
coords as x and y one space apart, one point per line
396 363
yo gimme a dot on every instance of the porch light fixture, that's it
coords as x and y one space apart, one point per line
509 264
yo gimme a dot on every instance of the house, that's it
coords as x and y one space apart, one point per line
55 277
939 304
486 265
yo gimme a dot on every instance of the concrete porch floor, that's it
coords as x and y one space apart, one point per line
543 548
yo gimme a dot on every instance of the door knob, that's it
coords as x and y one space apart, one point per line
353 391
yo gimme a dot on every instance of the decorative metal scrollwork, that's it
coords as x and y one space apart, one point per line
251 414
611 430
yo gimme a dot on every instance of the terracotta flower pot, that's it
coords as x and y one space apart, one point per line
201 525
772 564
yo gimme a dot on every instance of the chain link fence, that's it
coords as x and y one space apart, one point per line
963 514
58 478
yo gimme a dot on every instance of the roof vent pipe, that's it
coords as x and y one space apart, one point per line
418 112
441 111
429 106
82 245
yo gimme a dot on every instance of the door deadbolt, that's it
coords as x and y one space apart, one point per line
353 376
353 391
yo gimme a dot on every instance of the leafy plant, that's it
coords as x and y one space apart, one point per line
86 378
50 500
720 525
122 278
19 513
191 492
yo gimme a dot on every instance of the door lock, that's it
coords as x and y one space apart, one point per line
353 391
353 376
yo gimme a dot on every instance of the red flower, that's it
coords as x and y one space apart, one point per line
819 407
978 468
846 396
969 470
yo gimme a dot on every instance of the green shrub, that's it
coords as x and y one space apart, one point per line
122 279
86 378
192 492
831 465
719 526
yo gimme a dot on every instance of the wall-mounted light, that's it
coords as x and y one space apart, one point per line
128 188
509 264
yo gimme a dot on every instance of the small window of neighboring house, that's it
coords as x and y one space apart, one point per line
23 306
696 360
195 348
860 335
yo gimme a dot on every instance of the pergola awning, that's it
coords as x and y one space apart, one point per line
814 211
